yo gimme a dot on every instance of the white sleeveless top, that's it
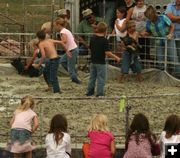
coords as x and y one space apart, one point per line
163 140
139 17
119 33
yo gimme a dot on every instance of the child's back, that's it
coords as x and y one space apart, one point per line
170 133
57 150
98 47
22 129
140 139
100 144
101 139
140 150
58 141
23 119
49 48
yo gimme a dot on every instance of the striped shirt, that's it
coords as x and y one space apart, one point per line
160 28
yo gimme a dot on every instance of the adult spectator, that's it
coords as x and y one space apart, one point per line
161 26
120 3
87 25
65 14
136 13
173 12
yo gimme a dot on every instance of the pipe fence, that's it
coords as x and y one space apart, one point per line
158 52
79 110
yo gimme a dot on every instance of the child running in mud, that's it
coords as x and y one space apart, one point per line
48 51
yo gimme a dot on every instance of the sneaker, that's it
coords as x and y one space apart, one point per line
100 96
75 80
60 92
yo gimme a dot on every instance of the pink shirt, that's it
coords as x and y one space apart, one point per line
100 144
70 44
23 119
140 150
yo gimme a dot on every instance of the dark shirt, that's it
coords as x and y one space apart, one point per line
98 46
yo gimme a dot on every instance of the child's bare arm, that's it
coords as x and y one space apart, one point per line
110 54
121 28
113 147
12 120
59 42
32 60
41 47
35 124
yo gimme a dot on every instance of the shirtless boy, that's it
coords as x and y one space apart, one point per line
48 51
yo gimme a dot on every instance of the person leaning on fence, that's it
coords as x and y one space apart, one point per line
120 27
71 49
87 25
170 133
58 141
102 141
161 26
130 58
140 139
173 12
99 48
22 129
48 51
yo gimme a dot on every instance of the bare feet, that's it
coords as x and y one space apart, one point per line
49 89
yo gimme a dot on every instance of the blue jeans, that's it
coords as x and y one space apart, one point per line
50 74
97 72
130 61
71 62
171 55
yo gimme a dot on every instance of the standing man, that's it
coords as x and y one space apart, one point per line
87 25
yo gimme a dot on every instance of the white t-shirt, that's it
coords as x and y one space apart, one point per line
58 151
139 18
23 119
119 33
70 44
163 140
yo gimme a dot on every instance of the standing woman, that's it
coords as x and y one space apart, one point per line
136 13
161 26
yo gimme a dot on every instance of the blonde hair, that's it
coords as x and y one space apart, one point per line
60 21
98 123
34 43
101 27
150 12
26 103
46 26
130 23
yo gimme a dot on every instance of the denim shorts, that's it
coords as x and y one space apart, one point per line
126 64
20 135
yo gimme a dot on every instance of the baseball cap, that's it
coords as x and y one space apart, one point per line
86 12
61 12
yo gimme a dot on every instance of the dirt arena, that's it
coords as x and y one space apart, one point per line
79 111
